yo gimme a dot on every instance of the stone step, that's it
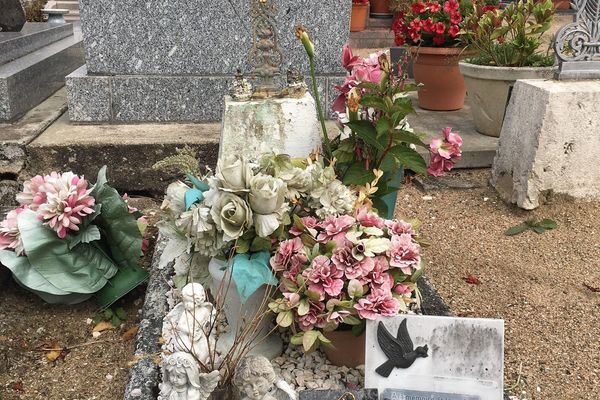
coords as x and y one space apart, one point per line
372 38
32 37
379 23
73 16
68 4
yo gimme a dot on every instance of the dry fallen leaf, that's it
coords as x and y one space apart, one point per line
103 326
18 387
53 355
472 280
592 288
130 333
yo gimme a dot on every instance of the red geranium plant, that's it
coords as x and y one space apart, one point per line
431 24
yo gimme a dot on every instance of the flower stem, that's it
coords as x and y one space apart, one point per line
326 141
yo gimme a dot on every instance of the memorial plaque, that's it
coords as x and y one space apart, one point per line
365 394
414 357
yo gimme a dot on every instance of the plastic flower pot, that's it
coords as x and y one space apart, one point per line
380 9
119 285
347 351
436 69
489 91
358 19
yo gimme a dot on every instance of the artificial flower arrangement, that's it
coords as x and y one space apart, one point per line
341 271
69 238
242 211
431 24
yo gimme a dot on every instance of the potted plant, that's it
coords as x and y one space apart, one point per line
336 273
358 19
508 43
431 29
380 9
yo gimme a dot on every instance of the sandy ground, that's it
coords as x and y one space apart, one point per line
541 285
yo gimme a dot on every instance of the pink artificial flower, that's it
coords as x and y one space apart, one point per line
434 7
453 31
404 253
444 152
353 269
335 228
10 237
369 219
379 302
428 25
402 289
308 222
396 227
439 165
130 209
68 200
337 317
324 277
439 28
292 299
290 253
33 194
452 138
379 275
349 60
313 318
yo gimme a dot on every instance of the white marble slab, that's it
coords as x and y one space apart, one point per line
464 359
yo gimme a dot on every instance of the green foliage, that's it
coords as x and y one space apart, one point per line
538 227
33 10
116 317
510 37
184 162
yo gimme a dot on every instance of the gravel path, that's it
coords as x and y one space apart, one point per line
545 286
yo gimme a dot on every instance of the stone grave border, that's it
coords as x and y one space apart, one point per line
144 375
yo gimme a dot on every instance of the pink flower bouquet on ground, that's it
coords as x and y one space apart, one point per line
68 237
341 271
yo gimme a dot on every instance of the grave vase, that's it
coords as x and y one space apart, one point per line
238 313
358 19
348 350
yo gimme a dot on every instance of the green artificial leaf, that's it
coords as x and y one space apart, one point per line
26 275
389 163
310 341
324 341
358 175
88 234
120 312
383 126
351 320
285 319
298 223
517 229
372 101
83 269
417 274
304 307
119 227
410 159
547 223
330 247
408 137
100 182
314 296
296 340
260 244
366 131
115 321
242 246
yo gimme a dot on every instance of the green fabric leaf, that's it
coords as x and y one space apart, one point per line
410 159
365 131
119 228
408 137
517 229
357 175
83 269
26 275
100 182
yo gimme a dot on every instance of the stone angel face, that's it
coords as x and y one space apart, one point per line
182 379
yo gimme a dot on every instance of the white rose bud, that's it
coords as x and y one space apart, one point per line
235 173
231 215
267 194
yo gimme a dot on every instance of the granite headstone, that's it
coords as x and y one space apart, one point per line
12 16
435 358
363 394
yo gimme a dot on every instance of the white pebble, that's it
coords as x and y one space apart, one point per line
427 198
109 377
136 393
486 198
96 335
89 321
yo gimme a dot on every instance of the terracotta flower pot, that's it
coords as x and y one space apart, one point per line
436 68
358 20
349 350
380 9
561 4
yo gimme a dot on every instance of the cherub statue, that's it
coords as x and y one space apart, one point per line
241 89
182 379
256 379
187 326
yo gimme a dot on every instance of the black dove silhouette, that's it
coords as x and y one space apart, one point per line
399 350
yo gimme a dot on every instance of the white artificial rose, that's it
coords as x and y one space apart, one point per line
267 194
297 180
175 198
232 215
234 173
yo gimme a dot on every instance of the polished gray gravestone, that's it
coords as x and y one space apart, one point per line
362 394
12 16
435 358
151 62
577 45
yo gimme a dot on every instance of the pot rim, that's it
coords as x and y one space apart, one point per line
453 51
488 72
357 5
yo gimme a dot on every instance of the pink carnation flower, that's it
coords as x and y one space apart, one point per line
369 219
33 194
68 200
402 289
313 318
396 227
323 276
10 237
404 253
335 228
379 275
343 259
289 254
308 222
444 152
379 302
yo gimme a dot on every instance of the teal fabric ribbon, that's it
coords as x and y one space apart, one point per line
250 271
195 194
